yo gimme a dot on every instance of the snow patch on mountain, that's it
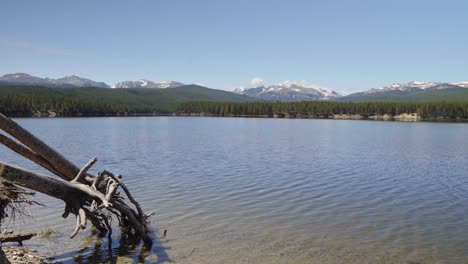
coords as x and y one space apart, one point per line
462 84
290 91
417 85
147 84
80 82
403 87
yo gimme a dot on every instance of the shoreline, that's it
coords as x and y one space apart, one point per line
20 254
404 117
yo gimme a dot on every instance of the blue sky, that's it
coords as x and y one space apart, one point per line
343 45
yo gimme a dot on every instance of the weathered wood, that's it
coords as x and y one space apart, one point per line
127 192
77 188
111 189
84 170
83 219
66 191
77 226
99 221
65 168
19 237
35 181
140 228
27 153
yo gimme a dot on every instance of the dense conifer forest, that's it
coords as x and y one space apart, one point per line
20 101
426 110
30 100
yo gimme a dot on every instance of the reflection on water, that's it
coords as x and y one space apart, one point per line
95 249
233 190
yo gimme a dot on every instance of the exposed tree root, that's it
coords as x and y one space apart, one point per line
86 196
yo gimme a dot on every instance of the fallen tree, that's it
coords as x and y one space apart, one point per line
93 198
19 238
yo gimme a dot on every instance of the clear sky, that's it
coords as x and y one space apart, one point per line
343 45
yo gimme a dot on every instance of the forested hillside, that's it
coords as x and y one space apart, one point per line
25 100
192 99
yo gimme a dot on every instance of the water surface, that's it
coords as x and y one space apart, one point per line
246 190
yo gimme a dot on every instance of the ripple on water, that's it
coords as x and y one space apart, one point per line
272 191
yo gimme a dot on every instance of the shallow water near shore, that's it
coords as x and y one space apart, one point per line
252 190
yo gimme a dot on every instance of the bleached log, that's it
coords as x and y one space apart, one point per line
57 188
65 168
60 189
27 153
77 188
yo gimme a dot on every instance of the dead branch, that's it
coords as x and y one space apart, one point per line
19 238
77 227
84 194
13 200
82 172
127 192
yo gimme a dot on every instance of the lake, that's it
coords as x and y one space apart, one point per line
252 190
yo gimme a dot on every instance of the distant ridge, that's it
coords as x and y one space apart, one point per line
413 91
287 91
72 81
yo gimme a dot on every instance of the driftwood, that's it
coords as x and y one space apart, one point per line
87 196
19 238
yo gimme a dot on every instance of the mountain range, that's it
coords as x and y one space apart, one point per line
77 82
286 91
412 91
65 82
147 84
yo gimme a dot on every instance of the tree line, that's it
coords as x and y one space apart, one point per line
27 105
325 109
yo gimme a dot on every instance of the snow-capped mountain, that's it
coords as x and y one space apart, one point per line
289 91
417 85
462 84
65 82
147 84
81 82
415 90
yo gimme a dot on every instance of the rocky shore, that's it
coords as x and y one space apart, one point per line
22 255
386 117
400 117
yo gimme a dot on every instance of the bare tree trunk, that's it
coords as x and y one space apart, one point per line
85 195
66 169
69 192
